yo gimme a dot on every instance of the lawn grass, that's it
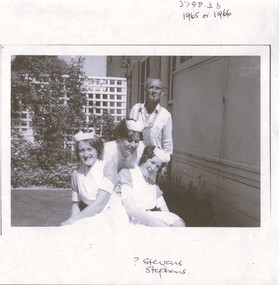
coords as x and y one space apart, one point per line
40 208
43 208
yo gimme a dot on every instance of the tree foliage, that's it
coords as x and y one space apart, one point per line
53 92
40 84
104 125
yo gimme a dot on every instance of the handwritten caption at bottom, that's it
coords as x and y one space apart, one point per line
161 267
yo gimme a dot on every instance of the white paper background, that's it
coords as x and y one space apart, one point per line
209 255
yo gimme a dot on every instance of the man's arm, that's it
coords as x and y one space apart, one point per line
167 141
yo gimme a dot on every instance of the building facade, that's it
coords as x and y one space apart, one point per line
103 94
215 107
106 94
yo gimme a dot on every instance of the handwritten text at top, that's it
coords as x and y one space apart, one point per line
199 4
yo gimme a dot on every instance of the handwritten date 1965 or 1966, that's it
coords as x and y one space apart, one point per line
220 14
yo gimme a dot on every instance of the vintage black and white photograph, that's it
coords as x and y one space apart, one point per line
139 159
147 141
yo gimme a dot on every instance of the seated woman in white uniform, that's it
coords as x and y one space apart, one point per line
126 151
144 202
92 189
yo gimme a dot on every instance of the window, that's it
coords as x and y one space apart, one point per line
173 63
111 104
118 89
185 58
119 104
119 97
105 96
105 104
142 81
149 67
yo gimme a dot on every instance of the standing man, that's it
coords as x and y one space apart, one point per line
156 119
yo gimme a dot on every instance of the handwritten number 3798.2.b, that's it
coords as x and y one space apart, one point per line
195 4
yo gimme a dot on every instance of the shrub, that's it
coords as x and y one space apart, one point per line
47 163
34 164
23 163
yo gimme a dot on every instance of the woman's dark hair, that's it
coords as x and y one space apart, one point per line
96 143
123 132
147 153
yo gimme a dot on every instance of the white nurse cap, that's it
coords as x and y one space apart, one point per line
135 126
162 155
80 136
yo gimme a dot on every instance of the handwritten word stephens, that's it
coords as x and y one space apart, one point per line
153 270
